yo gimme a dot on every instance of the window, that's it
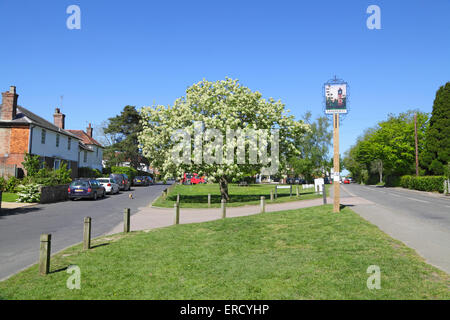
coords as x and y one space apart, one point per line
57 140
43 136
68 143
56 164
85 156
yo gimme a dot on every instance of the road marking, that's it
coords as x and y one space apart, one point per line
395 195
417 200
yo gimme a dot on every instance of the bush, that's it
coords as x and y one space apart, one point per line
86 172
130 172
426 183
50 177
2 184
29 193
12 184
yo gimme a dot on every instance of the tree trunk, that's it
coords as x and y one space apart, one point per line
223 183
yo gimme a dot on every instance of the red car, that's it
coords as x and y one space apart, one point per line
346 181
193 179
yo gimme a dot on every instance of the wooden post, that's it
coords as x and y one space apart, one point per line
126 220
178 198
176 207
290 191
44 254
296 189
336 207
209 200
271 195
324 194
223 205
263 204
276 193
87 233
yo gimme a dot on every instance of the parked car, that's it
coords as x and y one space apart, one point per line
122 180
140 181
290 180
110 185
86 188
327 180
196 179
150 180
346 181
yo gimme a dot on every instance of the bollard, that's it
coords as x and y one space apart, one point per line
87 233
178 198
290 191
263 204
324 193
44 254
276 193
223 205
176 206
296 190
126 220
209 200
271 195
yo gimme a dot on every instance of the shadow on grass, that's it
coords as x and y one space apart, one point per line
100 245
233 198
58 270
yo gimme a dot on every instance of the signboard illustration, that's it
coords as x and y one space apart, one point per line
336 98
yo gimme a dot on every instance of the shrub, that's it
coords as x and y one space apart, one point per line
12 184
50 177
31 164
425 183
2 184
29 193
130 172
86 172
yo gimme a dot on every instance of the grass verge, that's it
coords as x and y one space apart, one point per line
196 196
308 253
9 197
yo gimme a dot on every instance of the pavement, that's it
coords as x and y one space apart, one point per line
6 206
20 228
421 220
152 217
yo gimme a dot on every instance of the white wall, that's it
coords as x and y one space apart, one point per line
49 149
94 160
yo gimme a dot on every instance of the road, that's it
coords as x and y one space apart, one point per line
20 229
419 219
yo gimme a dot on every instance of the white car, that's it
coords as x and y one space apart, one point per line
110 185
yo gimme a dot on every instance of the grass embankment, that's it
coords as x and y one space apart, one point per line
300 254
196 196
9 197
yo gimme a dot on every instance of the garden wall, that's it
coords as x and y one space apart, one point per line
54 193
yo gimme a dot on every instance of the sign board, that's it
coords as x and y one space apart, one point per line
335 98
318 184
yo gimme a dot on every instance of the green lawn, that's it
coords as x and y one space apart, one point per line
196 196
308 253
9 197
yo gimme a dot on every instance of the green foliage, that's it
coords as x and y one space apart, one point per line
29 193
364 176
130 172
86 172
427 183
2 184
438 134
50 177
125 129
12 184
31 164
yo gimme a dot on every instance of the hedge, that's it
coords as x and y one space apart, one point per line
130 172
425 183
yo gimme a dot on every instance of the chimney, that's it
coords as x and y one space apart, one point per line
89 130
9 104
59 119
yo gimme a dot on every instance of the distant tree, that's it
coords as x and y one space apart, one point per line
124 129
377 167
437 154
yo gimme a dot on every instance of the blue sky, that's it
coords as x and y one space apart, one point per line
141 52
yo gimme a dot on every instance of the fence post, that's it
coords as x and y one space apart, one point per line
271 194
290 191
126 220
223 204
87 233
176 207
44 254
296 190
263 204
324 193
178 198
276 193
209 200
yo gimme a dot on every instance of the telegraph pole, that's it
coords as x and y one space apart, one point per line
336 182
417 148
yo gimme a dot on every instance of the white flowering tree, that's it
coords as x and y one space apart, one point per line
202 131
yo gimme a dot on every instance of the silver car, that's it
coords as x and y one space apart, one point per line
110 185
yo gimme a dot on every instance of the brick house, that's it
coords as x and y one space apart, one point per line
22 131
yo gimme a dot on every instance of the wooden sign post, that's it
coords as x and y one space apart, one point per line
336 178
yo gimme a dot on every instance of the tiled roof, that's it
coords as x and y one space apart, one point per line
85 138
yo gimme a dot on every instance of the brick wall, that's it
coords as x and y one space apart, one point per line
5 137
